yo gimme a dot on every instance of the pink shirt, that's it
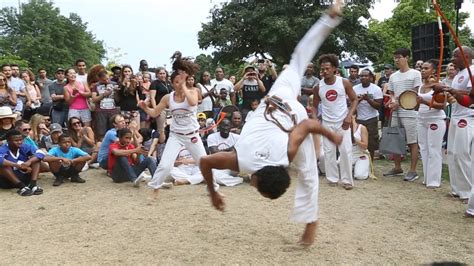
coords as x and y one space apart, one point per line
78 102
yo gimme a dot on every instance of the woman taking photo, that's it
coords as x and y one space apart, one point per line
158 89
76 94
7 94
83 138
128 94
431 127
33 90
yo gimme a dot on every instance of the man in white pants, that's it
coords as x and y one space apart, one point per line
279 120
461 132
331 93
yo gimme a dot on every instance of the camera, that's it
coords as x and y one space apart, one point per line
261 61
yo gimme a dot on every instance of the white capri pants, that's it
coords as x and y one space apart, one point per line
430 140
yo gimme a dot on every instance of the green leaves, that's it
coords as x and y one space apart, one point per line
43 37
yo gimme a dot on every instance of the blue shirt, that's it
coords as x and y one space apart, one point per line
109 138
25 151
73 153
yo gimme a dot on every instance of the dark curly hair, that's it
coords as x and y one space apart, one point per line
329 58
272 181
183 64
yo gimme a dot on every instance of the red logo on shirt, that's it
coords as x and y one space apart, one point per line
433 126
331 95
462 123
461 79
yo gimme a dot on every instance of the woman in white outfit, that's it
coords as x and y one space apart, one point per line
360 153
184 130
431 127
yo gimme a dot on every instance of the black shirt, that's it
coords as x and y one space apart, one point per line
162 88
268 83
128 101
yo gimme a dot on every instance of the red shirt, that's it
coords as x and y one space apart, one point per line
112 157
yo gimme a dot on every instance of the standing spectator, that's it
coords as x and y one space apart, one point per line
81 71
7 94
207 94
18 86
66 161
451 72
252 88
222 83
60 107
267 79
75 95
33 90
43 83
143 89
143 69
402 80
430 127
116 72
332 92
370 99
123 159
307 85
128 96
388 70
158 89
19 165
418 65
103 95
15 70
354 75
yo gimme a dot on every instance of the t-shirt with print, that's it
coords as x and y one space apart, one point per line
22 155
71 154
400 82
250 91
107 104
112 158
364 110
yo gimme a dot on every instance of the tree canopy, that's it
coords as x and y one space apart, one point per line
239 29
40 35
396 31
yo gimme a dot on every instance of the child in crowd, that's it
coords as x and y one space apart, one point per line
253 105
66 161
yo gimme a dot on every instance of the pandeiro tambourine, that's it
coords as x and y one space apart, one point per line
407 100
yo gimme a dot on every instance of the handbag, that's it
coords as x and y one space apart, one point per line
393 139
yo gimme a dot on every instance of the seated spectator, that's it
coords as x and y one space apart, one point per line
22 169
7 120
221 141
51 140
124 162
236 125
110 137
66 161
222 100
25 128
185 170
151 139
360 154
39 128
83 138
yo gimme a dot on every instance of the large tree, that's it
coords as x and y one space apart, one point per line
396 31
39 34
241 28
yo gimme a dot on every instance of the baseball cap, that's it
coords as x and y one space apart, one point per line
388 66
249 66
59 70
55 128
202 116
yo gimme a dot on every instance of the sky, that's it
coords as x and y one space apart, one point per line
155 29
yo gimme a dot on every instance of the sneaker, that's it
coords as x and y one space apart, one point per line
58 181
36 190
411 176
393 172
136 182
468 215
77 179
85 168
26 191
94 165
167 185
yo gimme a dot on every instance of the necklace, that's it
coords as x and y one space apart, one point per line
166 85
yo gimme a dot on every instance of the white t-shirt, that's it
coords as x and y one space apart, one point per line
462 82
215 139
364 110
206 104
400 82
225 83
333 100
82 78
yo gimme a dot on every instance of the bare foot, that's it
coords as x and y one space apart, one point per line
307 239
153 196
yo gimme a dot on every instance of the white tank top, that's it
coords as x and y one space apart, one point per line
333 100
356 150
184 116
424 111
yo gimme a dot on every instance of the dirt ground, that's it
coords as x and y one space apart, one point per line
386 221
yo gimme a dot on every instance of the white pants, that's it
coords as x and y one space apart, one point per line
361 167
190 173
321 160
430 140
225 177
460 155
172 148
345 157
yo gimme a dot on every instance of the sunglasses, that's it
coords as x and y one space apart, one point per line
47 119
26 129
2 79
76 123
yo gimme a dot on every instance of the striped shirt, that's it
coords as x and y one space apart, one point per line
400 82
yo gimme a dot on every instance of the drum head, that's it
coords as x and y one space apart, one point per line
407 100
